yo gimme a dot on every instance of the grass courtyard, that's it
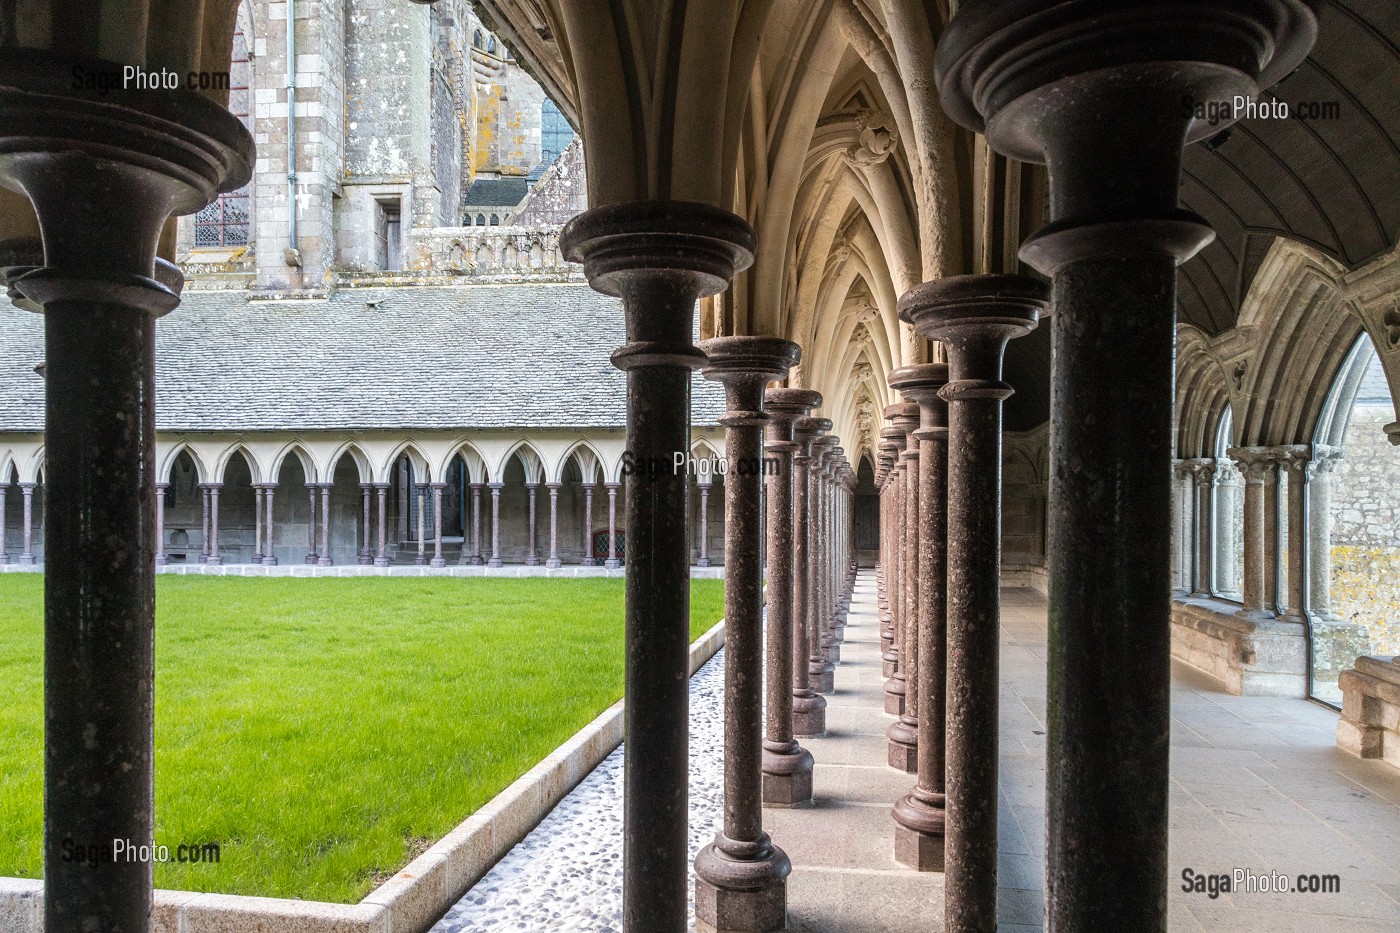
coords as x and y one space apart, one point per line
325 731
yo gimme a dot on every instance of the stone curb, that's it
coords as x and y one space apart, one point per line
357 570
415 898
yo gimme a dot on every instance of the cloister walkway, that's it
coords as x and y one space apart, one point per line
1257 783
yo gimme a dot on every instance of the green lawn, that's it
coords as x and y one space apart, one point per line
324 731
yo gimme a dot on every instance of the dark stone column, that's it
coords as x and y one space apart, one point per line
888 452
366 556
921 816
741 877
325 559
438 560
161 559
659 257
421 559
975 317
381 559
787 766
495 525
588 559
704 560
26 554
532 558
821 672
903 733
104 175
808 705
214 556
830 643
269 558
474 557
611 562
895 685
1096 91
311 555
553 562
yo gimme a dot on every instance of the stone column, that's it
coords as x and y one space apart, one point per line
921 815
5 494
204 523
902 419
257 523
787 766
830 643
531 557
161 559
1321 469
1257 465
808 705
26 554
366 556
421 558
588 559
1273 506
903 733
311 555
438 560
214 556
495 525
741 877
1095 90
475 559
553 562
325 559
1202 531
889 495
612 562
1227 480
270 555
659 257
821 672
382 494
1295 458
975 317
704 560
104 174
1183 549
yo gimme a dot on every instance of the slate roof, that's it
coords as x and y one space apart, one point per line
479 356
496 192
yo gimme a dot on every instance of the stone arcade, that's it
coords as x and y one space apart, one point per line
887 214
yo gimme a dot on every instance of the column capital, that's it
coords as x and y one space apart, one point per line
553 487
605 485
784 407
975 316
745 365
805 433
921 384
496 487
1324 459
1256 463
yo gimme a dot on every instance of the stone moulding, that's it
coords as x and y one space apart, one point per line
1370 722
415 898
1250 658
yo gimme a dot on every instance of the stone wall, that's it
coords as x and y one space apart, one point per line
1366 529
491 252
560 194
1025 475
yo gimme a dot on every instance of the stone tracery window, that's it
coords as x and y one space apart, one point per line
226 221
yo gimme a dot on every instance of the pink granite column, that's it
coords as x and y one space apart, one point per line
325 558
204 523
903 732
311 555
821 672
161 559
26 556
532 558
808 705
214 556
269 548
422 558
438 560
382 494
366 556
704 559
257 523
476 559
553 561
612 561
495 525
588 560
1258 465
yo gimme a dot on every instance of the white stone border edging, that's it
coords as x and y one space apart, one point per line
415 898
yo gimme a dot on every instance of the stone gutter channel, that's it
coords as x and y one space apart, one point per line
435 882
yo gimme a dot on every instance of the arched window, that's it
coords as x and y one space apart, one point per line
1352 583
225 222
491 45
481 220
476 39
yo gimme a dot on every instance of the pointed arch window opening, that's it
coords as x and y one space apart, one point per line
226 221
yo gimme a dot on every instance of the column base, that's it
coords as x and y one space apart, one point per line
161 560
214 560
269 561
919 824
1255 615
320 562
588 562
787 776
703 562
438 562
611 564
477 561
309 560
743 894
833 651
904 746
28 560
420 561
532 562
553 563
495 562
822 677
381 562
366 560
808 715
894 696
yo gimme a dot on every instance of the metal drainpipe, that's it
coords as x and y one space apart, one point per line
293 253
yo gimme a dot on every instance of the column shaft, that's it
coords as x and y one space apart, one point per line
270 555
325 558
382 558
438 560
